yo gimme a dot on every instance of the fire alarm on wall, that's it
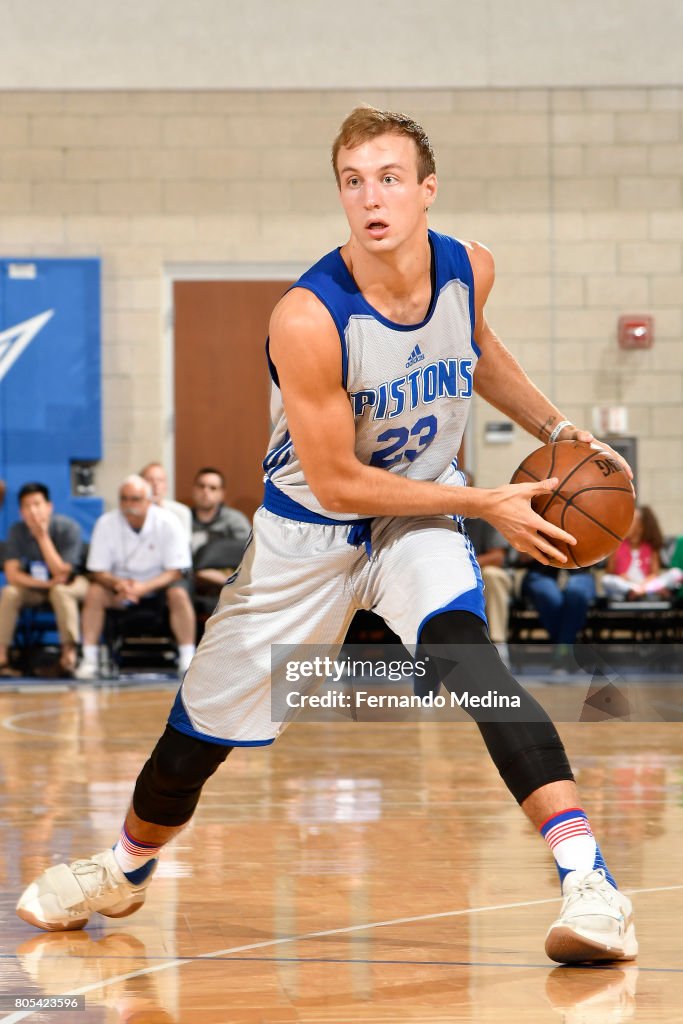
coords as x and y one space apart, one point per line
636 331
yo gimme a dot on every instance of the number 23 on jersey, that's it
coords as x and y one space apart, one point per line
403 443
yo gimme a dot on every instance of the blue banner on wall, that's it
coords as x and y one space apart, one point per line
50 383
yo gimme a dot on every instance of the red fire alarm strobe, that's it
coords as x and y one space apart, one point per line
636 331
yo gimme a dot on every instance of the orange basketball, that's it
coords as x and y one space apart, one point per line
593 501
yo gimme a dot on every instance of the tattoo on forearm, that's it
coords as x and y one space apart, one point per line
547 427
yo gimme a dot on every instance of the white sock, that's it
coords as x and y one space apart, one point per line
91 653
185 655
569 836
130 854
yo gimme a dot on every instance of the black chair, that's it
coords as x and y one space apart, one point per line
224 553
139 638
37 639
219 553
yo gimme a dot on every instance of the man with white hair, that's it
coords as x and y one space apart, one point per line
138 554
155 475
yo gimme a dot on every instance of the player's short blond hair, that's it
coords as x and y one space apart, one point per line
365 123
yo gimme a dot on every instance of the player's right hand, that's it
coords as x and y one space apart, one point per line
508 509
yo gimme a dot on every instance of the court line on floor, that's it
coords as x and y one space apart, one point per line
8 723
615 965
13 1018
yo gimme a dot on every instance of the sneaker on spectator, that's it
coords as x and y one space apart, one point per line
184 662
87 670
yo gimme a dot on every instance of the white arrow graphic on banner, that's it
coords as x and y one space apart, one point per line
14 340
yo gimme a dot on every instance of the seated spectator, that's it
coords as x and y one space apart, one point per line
676 562
155 475
562 605
138 554
635 571
491 549
43 558
219 533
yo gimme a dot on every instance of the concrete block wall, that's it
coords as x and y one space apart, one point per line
578 192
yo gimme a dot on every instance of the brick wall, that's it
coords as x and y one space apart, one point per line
578 193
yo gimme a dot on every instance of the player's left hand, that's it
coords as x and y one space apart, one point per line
588 438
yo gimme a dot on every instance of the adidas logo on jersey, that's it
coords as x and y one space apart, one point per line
415 356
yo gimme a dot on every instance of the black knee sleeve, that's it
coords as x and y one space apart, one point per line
522 741
170 783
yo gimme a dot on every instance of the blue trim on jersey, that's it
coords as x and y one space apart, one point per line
473 315
282 460
473 556
272 455
274 500
458 267
366 309
278 457
271 365
281 504
471 601
332 283
180 720
361 533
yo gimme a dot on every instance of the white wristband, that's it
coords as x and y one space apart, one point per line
558 430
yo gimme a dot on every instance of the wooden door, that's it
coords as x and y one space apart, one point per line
222 385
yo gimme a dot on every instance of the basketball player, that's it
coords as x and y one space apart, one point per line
374 355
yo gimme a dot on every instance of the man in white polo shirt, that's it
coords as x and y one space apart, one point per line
138 553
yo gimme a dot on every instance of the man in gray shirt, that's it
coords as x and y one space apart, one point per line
219 533
44 553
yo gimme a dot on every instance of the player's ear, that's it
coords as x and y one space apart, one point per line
429 186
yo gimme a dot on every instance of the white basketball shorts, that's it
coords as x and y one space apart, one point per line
301 583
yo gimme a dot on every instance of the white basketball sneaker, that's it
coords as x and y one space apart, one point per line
64 896
86 671
595 923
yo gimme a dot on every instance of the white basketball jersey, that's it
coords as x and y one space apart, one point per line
409 386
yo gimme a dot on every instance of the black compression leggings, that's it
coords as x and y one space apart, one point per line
525 747
170 784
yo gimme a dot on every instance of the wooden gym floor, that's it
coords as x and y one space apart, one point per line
350 873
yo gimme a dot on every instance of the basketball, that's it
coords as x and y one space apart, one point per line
593 501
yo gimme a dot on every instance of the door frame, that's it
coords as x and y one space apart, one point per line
173 272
